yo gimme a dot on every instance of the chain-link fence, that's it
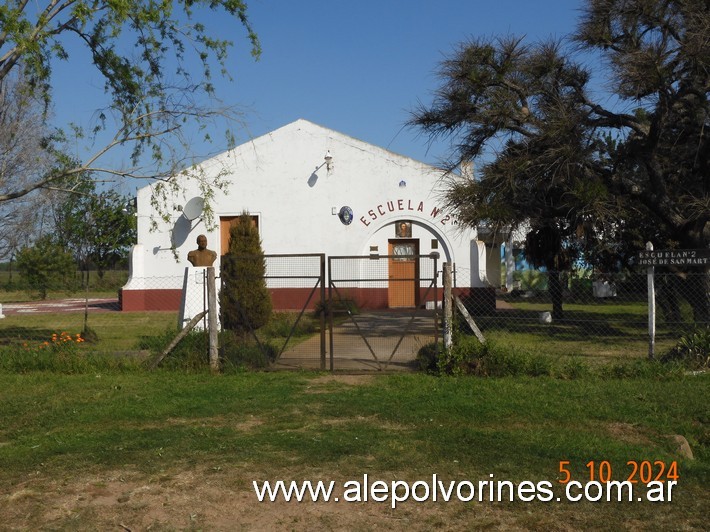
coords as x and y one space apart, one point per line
382 310
13 284
596 317
604 317
141 315
294 335
93 310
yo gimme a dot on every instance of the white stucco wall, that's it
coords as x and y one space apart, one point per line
281 177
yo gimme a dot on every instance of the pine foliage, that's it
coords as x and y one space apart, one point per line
245 300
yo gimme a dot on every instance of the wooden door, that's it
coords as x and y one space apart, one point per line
403 273
225 223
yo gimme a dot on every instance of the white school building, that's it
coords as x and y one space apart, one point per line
310 189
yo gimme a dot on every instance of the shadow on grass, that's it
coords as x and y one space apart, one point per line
16 336
105 305
578 325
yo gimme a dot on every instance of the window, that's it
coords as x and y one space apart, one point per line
404 251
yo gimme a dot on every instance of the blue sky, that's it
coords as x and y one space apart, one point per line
359 67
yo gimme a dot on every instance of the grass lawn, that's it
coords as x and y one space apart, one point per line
21 296
171 450
14 290
598 332
117 331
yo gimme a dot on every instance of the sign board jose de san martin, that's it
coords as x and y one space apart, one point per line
666 257
675 257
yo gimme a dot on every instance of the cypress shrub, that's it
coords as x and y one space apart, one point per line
245 301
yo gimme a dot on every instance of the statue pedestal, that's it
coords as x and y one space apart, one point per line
194 297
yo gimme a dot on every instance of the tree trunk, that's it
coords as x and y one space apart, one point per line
668 289
696 290
695 284
554 286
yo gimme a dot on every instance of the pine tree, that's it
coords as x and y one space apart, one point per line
590 171
245 300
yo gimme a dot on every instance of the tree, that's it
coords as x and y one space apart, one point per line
156 60
578 171
18 227
95 226
245 301
45 265
659 57
22 158
523 97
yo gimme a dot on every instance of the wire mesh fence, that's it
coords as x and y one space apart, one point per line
382 310
145 312
14 284
601 317
95 313
294 335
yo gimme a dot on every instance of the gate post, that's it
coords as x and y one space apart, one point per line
212 319
651 307
448 307
322 313
329 307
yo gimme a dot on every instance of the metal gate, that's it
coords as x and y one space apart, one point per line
295 336
381 310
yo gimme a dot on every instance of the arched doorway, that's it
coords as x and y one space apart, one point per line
403 280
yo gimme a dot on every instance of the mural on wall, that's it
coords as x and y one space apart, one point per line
403 229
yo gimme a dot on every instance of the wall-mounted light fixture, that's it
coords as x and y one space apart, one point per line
328 160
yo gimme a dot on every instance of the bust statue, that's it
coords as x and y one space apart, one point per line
201 256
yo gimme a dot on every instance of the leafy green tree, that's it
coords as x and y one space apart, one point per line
581 171
245 300
157 61
95 226
45 265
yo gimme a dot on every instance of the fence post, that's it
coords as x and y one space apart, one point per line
212 319
651 307
323 309
448 307
331 344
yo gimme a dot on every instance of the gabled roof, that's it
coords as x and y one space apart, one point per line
315 130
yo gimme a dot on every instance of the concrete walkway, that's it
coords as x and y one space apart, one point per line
372 341
55 306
